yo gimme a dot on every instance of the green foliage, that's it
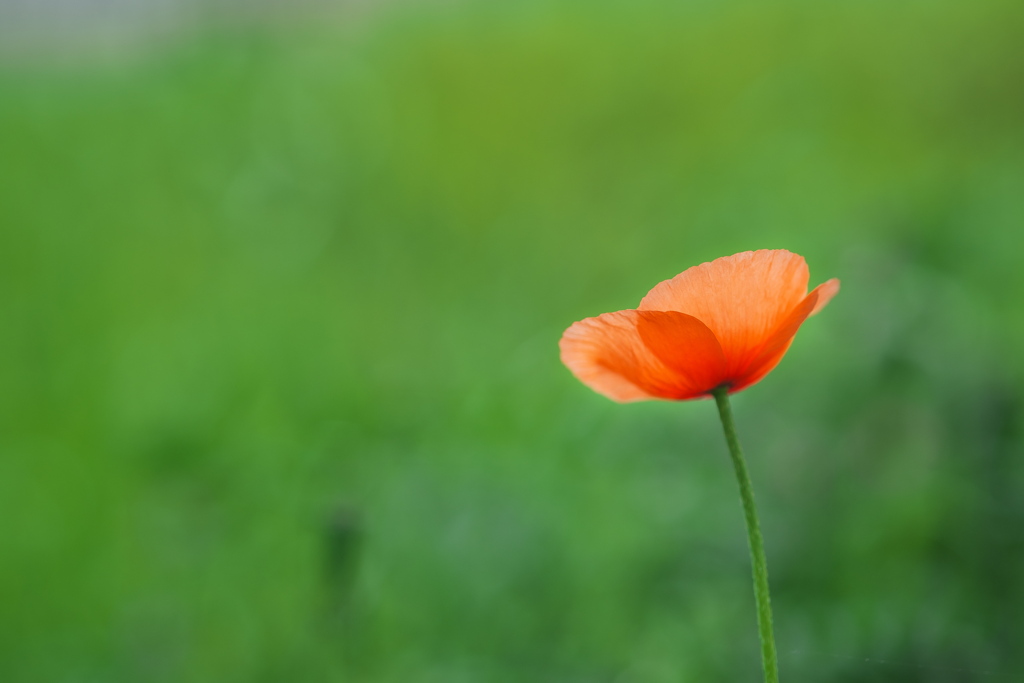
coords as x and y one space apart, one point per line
280 397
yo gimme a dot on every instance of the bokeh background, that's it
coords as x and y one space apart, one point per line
280 295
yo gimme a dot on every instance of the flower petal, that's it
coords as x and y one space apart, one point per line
826 290
687 347
778 343
742 298
608 354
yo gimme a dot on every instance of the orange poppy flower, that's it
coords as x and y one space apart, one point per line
724 323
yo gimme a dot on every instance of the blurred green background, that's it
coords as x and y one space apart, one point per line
280 397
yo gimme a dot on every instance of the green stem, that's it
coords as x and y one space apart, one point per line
760 566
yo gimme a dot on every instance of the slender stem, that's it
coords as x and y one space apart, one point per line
760 566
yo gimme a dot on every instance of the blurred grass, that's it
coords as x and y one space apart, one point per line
279 388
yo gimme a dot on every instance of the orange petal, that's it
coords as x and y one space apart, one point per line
608 354
778 343
687 347
826 290
742 298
